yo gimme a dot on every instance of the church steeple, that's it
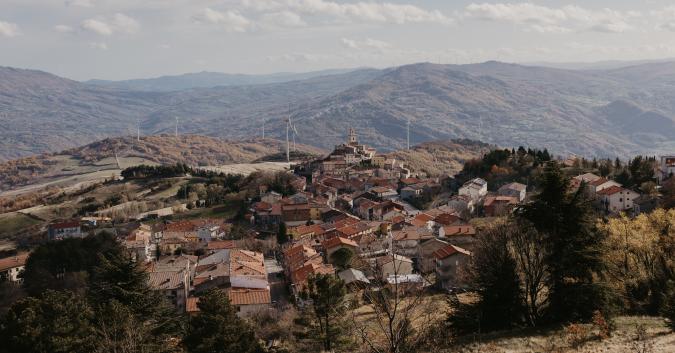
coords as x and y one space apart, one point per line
352 140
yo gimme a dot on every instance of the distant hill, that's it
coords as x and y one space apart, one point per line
99 157
210 79
441 157
566 111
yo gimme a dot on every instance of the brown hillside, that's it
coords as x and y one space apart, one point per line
441 157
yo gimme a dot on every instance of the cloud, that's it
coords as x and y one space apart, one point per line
8 29
283 19
295 57
98 27
80 3
368 12
118 23
665 18
554 20
231 21
98 45
369 43
63 28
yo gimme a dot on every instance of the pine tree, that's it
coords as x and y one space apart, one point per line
118 281
58 321
282 236
217 329
573 248
328 294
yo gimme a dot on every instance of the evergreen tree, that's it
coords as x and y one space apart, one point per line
494 274
573 248
118 282
217 329
342 258
328 295
57 321
282 236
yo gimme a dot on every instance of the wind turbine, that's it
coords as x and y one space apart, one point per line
290 127
138 130
263 134
408 133
176 133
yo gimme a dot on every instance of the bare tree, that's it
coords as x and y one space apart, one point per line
401 317
525 244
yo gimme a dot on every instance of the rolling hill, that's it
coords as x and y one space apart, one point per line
586 112
106 157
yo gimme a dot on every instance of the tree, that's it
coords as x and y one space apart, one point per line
119 288
57 321
328 304
525 245
342 258
282 236
217 329
67 263
494 274
573 248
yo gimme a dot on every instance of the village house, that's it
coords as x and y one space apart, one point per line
173 285
354 279
336 243
594 187
666 168
393 265
495 206
451 261
406 241
462 204
616 199
476 189
248 301
462 235
65 230
427 262
517 190
12 267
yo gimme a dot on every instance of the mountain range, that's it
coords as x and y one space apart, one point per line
601 112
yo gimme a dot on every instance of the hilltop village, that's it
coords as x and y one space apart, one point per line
361 217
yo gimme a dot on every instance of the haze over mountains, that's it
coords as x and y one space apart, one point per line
603 112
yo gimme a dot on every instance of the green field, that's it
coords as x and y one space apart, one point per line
12 223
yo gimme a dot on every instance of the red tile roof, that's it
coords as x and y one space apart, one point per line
338 241
446 251
13 261
247 296
464 229
220 244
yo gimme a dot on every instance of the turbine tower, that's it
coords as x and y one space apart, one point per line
176 133
408 133
263 134
138 130
290 127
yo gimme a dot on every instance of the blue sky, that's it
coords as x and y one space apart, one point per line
121 39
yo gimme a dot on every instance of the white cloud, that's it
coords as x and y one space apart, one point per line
231 21
63 28
369 12
8 29
80 3
665 18
556 20
118 23
283 19
98 45
368 43
98 27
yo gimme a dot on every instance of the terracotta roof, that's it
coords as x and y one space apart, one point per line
446 251
500 199
166 280
421 220
611 190
13 261
220 244
191 304
598 182
300 275
513 186
383 260
338 241
247 263
464 229
247 296
446 218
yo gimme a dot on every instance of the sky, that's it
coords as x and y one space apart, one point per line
123 39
